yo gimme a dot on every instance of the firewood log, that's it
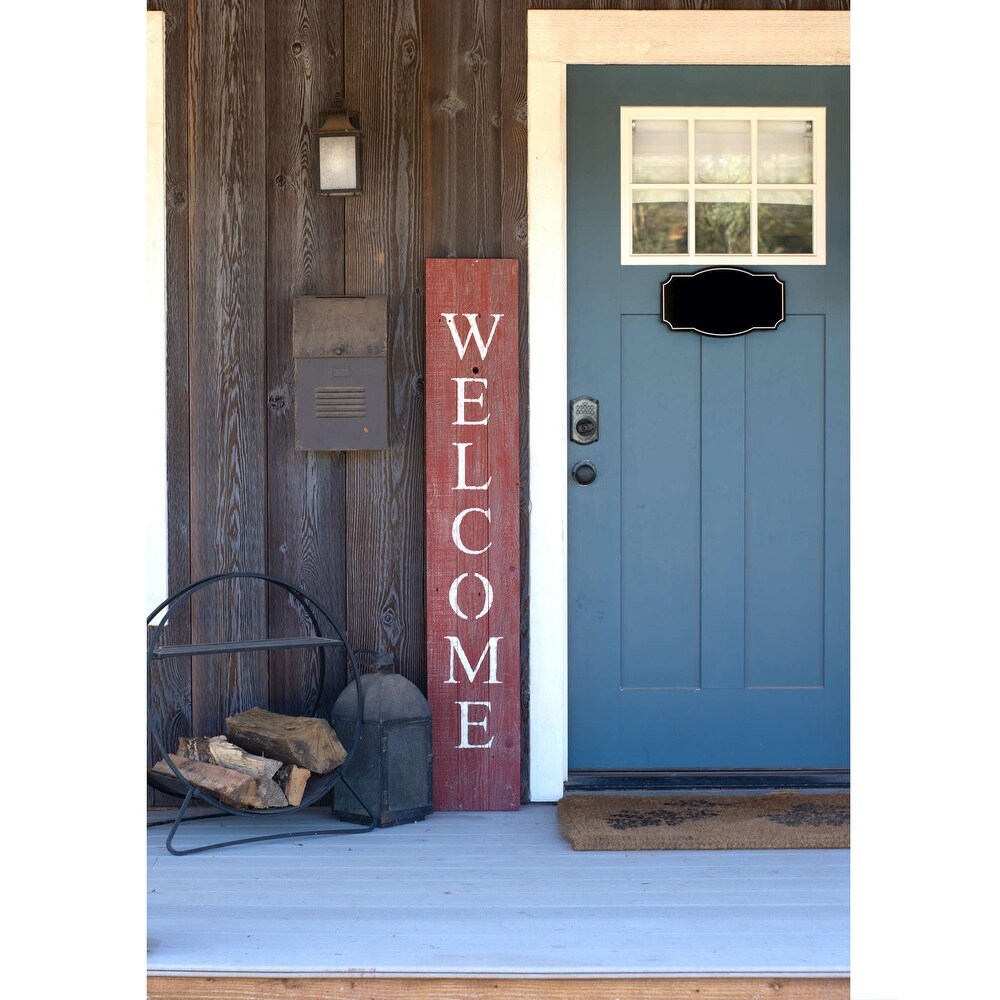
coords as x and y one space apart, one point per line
218 750
269 795
301 740
293 782
233 788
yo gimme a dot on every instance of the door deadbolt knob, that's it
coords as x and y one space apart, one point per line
584 473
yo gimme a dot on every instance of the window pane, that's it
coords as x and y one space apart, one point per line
338 162
722 222
659 222
659 152
722 152
785 152
785 222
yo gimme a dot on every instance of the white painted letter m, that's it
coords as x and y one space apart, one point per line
489 649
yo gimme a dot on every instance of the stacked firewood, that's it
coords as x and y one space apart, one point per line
262 762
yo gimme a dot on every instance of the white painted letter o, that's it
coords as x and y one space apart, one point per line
487 596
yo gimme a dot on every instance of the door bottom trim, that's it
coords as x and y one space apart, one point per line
695 779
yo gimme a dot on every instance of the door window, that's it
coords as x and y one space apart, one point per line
723 185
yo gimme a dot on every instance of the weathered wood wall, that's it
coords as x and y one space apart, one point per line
441 87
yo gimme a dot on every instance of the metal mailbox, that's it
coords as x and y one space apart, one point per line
341 395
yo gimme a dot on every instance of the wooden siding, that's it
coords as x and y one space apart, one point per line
441 88
384 510
304 65
170 684
227 356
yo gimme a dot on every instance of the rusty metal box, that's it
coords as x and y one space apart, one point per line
341 396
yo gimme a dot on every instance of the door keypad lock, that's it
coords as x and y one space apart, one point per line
584 425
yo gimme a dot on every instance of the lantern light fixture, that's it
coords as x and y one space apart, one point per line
339 152
393 768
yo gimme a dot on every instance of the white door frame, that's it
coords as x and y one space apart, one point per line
557 38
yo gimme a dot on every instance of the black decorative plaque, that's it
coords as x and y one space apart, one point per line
722 301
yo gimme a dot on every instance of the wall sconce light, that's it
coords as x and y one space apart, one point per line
339 152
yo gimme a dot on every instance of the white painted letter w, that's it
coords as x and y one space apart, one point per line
460 345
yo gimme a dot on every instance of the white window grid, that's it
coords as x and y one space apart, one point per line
754 115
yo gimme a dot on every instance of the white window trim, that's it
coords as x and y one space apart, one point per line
753 114
557 38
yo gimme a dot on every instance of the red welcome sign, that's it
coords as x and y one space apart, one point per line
473 555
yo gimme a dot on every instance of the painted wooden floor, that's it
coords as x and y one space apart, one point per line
486 894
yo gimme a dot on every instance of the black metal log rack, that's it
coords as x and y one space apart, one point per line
318 784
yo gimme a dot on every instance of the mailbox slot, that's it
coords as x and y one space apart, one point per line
341 395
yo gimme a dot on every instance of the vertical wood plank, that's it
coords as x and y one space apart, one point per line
227 357
514 245
473 532
385 489
462 55
475 191
303 70
170 680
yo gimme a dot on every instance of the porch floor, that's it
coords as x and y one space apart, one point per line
485 894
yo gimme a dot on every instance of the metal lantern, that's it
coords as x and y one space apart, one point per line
391 770
338 142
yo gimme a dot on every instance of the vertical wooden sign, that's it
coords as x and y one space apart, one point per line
473 554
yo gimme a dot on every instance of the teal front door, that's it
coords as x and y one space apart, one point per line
708 496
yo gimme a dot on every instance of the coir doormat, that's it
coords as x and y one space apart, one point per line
706 823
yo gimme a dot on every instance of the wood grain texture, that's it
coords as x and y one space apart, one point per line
227 354
385 504
300 740
514 245
473 564
293 782
303 70
170 681
218 750
364 988
462 183
234 788
475 187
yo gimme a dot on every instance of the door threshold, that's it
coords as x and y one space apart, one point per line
704 779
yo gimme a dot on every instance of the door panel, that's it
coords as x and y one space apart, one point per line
659 517
784 459
708 560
